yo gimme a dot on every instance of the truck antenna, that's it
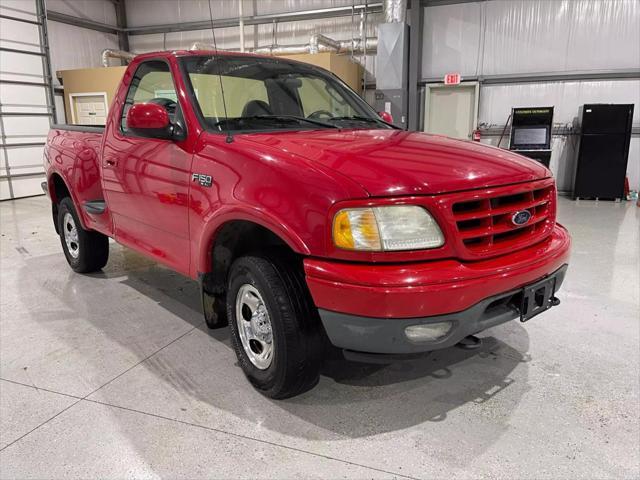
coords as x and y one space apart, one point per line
216 58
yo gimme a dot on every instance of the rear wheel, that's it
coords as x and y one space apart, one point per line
86 251
274 324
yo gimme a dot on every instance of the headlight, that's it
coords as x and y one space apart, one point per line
402 227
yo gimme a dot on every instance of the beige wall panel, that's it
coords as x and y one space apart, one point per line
90 80
349 72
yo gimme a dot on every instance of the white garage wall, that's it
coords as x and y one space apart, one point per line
101 11
154 12
496 102
75 47
563 160
21 137
157 12
533 37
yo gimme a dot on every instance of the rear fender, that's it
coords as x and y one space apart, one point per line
55 200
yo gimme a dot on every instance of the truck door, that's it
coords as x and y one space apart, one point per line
146 180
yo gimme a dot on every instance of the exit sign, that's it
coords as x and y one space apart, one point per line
452 79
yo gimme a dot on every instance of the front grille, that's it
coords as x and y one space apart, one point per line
485 224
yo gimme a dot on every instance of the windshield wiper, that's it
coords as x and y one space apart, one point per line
285 118
359 119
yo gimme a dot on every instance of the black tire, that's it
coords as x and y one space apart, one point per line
91 251
295 324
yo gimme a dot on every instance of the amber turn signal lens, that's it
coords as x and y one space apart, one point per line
356 229
342 230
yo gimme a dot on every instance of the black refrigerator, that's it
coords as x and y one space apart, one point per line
604 151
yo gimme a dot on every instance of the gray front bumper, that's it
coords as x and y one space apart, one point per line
386 335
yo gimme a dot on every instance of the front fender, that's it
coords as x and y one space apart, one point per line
213 224
284 193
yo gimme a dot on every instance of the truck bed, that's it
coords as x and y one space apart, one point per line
75 149
78 128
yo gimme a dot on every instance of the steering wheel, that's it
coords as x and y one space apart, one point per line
168 104
319 114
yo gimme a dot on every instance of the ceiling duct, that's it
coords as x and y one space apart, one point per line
392 60
318 43
108 53
318 39
395 11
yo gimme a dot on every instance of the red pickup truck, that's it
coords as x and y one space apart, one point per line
307 219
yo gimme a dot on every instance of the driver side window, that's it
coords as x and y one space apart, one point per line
152 82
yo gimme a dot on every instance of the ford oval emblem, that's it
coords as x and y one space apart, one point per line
521 218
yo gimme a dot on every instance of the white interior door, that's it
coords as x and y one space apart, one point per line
451 110
89 108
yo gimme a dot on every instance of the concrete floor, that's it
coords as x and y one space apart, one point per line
114 375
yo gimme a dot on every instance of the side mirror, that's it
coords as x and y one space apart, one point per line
386 116
149 120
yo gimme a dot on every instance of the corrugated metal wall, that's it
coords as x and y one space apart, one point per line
25 107
533 37
75 47
496 102
157 12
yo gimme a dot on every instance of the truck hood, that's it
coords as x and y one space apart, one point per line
394 162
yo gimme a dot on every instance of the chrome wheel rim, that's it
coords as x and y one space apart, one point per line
254 326
71 235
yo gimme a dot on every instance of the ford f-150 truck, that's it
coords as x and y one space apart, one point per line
307 219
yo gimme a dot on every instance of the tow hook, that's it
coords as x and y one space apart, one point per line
555 301
470 342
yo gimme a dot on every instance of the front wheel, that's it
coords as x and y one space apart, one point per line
274 324
86 251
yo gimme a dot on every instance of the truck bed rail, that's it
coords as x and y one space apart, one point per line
78 128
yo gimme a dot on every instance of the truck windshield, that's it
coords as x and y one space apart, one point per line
270 93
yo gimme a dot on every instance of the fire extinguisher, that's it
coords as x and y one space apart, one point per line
626 188
475 136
